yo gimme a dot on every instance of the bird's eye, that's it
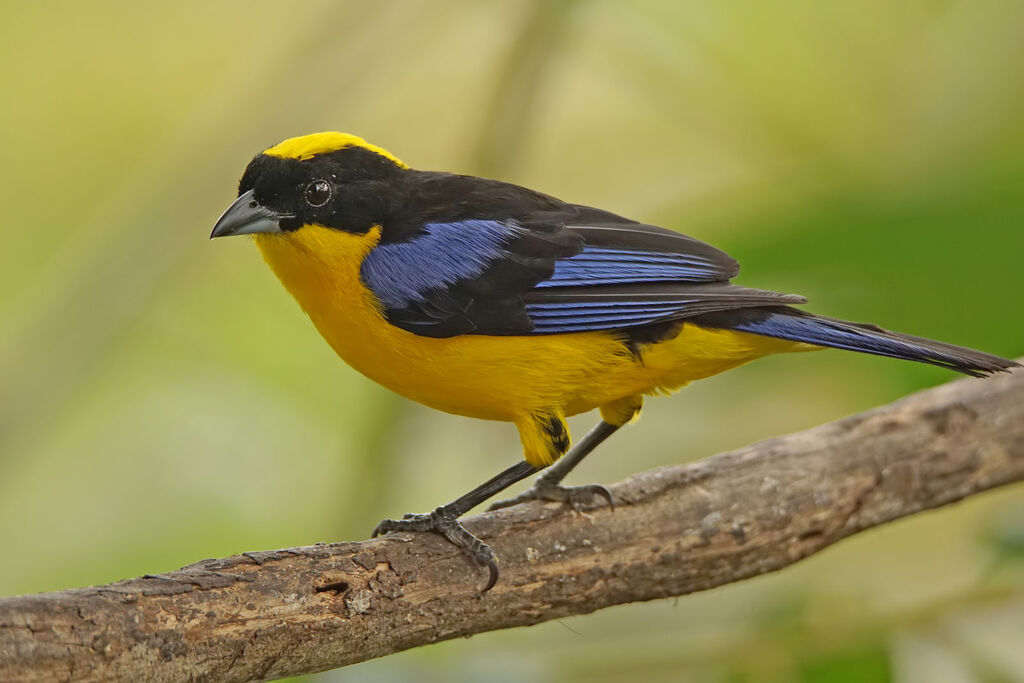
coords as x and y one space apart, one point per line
318 192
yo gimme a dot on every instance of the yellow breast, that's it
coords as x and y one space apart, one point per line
490 377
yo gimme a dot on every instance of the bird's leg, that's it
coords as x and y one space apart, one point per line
548 485
444 519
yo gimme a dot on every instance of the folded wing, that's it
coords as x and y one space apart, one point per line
575 269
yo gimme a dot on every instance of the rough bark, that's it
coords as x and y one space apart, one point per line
676 530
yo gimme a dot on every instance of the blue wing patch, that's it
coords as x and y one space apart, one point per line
596 266
606 266
401 273
579 317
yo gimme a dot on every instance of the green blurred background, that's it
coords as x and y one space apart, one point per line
164 400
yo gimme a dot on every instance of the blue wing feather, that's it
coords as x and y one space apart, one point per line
401 273
605 266
574 316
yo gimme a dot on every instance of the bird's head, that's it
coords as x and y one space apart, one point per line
332 180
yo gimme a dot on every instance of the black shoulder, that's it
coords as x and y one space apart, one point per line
435 197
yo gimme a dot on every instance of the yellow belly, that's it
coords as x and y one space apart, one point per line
489 377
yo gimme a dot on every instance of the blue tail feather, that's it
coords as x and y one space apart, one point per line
795 325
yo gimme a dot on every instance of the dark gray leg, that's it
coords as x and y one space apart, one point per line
444 519
547 486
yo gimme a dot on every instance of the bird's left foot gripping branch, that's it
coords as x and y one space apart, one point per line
490 300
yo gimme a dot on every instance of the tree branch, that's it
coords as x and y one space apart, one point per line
676 530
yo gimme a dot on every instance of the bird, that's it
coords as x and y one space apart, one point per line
490 300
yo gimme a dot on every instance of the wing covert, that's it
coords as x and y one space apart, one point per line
464 276
403 273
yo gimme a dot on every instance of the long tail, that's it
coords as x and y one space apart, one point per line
784 322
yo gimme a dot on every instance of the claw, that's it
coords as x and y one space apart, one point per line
601 490
492 567
440 522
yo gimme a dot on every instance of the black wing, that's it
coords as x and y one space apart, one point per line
497 259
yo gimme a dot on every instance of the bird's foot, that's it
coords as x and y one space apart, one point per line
444 522
576 496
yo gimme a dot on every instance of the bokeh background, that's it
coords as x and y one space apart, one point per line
162 399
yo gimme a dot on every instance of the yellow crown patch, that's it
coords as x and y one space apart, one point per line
308 146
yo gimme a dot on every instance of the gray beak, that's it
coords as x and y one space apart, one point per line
245 217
